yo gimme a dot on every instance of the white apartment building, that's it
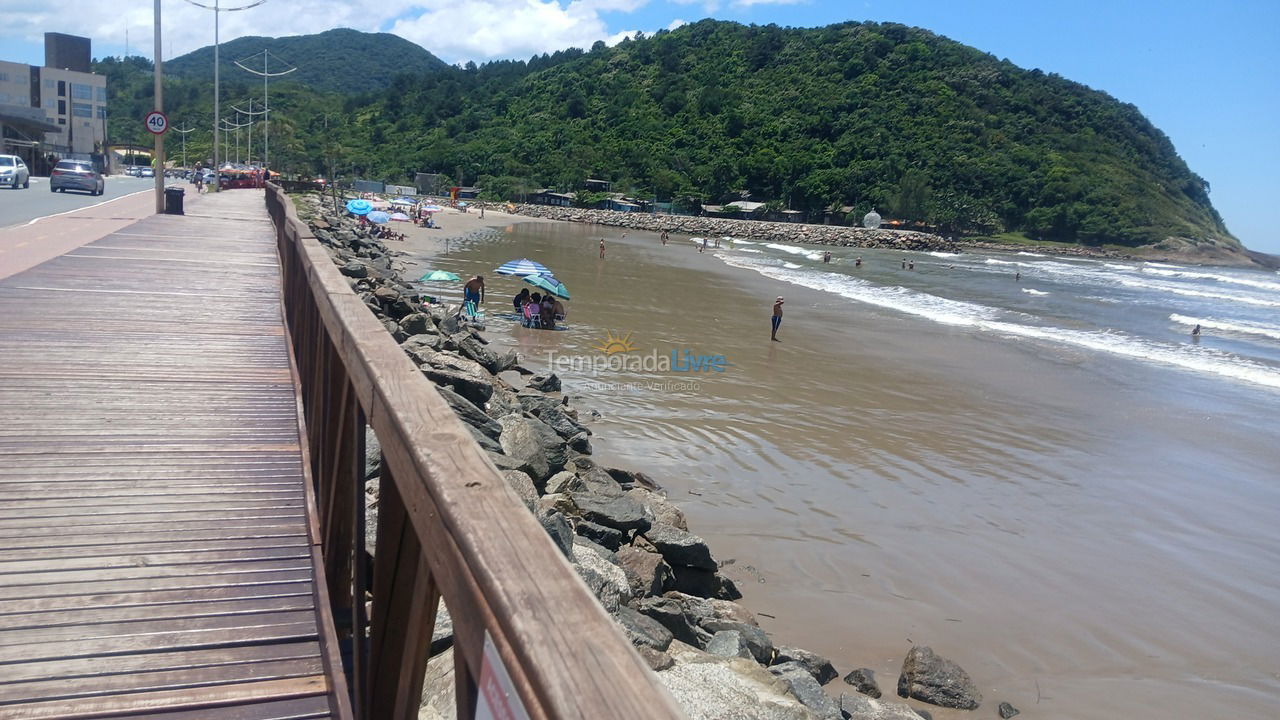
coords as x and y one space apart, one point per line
57 109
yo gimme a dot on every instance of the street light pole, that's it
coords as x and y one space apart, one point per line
183 132
217 9
159 107
266 104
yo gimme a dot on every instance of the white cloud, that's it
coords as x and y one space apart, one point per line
677 23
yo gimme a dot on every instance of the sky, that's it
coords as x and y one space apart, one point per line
1206 73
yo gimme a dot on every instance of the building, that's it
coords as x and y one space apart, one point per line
59 109
546 196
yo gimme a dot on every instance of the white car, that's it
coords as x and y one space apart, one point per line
146 172
13 172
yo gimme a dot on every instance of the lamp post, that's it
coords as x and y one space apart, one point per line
217 9
266 104
250 112
159 107
183 132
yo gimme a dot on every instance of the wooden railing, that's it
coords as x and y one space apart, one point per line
449 527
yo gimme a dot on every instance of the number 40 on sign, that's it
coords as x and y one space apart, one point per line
156 122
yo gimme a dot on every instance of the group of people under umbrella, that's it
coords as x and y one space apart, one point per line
535 310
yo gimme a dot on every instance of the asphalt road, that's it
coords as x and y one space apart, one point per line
21 206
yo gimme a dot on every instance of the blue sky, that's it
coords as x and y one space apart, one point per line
1207 74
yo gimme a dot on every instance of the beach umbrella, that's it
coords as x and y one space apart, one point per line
548 283
432 208
399 216
522 267
377 216
439 276
359 207
403 201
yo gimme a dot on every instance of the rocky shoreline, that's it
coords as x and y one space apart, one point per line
629 544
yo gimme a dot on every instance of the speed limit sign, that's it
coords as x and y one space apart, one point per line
156 122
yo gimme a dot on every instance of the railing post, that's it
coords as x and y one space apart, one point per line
405 601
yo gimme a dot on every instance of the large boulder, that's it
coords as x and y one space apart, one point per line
606 537
475 389
354 269
671 613
729 643
472 348
662 508
557 420
606 580
545 383
680 547
642 630
619 511
864 681
808 691
558 527
469 413
523 443
417 324
931 678
439 696
756 640
523 486
861 707
819 667
647 572
714 688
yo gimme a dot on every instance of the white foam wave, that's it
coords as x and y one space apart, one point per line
794 250
1031 254
748 250
944 254
790 266
955 312
744 242
1115 266
1190 275
1165 265
1033 291
993 261
1232 326
1190 292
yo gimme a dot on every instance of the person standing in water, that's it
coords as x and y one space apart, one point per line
473 291
601 248
1195 331
665 237
858 262
1017 276
777 319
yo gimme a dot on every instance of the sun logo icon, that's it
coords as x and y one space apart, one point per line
615 343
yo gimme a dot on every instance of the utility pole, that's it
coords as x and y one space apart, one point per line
159 107
217 9
183 132
266 104
250 112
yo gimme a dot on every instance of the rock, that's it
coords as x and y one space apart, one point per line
597 481
630 479
523 486
713 688
556 419
564 481
808 691
861 707
619 512
354 269
931 678
756 640
819 667
536 403
469 413
662 509
417 324
731 611
655 659
372 454
642 630
476 390
441 632
448 323
703 583
581 443
864 681
439 696
523 444
400 309
545 383
558 527
729 643
484 441
604 536
647 572
420 347
679 547
473 349
671 614
605 580
506 361
1007 711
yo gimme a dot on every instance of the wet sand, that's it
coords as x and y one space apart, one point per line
1085 542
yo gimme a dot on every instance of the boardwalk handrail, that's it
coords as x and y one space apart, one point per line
449 527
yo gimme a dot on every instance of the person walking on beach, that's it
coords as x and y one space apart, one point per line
601 248
777 319
665 237
904 263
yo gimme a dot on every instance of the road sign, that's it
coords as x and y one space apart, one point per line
156 122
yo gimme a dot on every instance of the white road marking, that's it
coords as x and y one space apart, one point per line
33 221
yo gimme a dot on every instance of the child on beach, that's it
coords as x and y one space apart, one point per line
777 319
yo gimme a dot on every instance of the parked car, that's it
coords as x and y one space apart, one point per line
76 175
146 172
13 172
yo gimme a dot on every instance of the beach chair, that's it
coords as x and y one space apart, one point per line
531 318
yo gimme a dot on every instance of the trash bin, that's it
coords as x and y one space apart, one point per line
173 200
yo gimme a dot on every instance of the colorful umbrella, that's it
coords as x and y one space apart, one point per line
399 216
522 267
548 283
439 276
377 216
359 207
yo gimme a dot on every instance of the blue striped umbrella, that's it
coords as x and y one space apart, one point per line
522 267
379 217
548 283
359 206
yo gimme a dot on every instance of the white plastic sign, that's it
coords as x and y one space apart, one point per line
496 699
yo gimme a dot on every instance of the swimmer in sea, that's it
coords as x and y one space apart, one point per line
1195 331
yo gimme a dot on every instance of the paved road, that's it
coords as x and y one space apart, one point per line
22 206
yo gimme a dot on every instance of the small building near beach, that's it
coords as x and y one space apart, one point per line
547 196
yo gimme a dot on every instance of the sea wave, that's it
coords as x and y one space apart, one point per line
747 250
794 250
1033 291
944 254
1191 275
1031 254
1191 292
790 266
1232 326
955 312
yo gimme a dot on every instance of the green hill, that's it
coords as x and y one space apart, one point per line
856 114
339 60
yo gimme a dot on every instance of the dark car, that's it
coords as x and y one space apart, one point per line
76 175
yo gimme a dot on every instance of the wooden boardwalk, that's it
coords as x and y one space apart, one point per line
159 558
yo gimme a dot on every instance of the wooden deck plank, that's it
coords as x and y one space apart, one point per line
153 503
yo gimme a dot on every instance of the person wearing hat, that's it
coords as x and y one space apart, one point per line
777 319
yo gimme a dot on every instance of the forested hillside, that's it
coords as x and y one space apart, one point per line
861 114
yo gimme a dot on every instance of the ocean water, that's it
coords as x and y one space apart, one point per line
1046 479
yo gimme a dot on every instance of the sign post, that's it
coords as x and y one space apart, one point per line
156 121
